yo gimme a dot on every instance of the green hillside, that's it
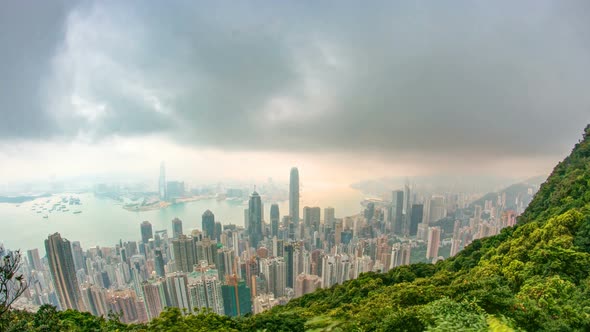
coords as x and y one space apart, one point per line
532 277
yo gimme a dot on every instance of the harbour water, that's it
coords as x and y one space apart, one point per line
103 221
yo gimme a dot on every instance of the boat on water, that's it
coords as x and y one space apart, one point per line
74 201
77 212
45 216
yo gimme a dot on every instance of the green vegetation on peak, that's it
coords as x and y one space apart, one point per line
531 277
568 186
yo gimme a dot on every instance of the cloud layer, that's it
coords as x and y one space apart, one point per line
473 80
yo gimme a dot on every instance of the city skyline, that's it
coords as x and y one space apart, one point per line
400 220
234 270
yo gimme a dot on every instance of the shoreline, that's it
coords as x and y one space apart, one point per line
164 204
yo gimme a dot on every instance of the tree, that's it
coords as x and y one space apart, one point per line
12 283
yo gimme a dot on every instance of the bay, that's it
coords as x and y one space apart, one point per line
104 222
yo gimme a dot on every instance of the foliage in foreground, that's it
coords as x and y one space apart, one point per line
532 277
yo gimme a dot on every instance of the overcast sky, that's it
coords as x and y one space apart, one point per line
346 90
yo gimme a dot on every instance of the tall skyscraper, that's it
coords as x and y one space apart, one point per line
205 290
226 264
407 199
156 296
159 262
246 219
407 209
329 270
176 228
311 218
177 284
206 250
338 232
78 254
236 297
63 273
329 217
125 301
397 211
146 232
437 209
288 251
255 219
184 253
218 231
95 299
275 272
433 242
162 182
416 218
294 201
274 220
208 224
34 260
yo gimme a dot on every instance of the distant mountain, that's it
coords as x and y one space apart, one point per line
516 195
438 183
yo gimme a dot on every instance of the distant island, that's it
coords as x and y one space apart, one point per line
22 199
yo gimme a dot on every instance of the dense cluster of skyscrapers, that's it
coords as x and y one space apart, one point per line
236 270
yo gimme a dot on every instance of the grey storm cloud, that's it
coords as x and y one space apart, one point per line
29 35
422 77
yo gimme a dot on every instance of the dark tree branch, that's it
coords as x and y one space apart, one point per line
12 283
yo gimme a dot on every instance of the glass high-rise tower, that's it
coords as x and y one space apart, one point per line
176 228
159 262
208 224
294 201
274 220
255 218
146 232
397 212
